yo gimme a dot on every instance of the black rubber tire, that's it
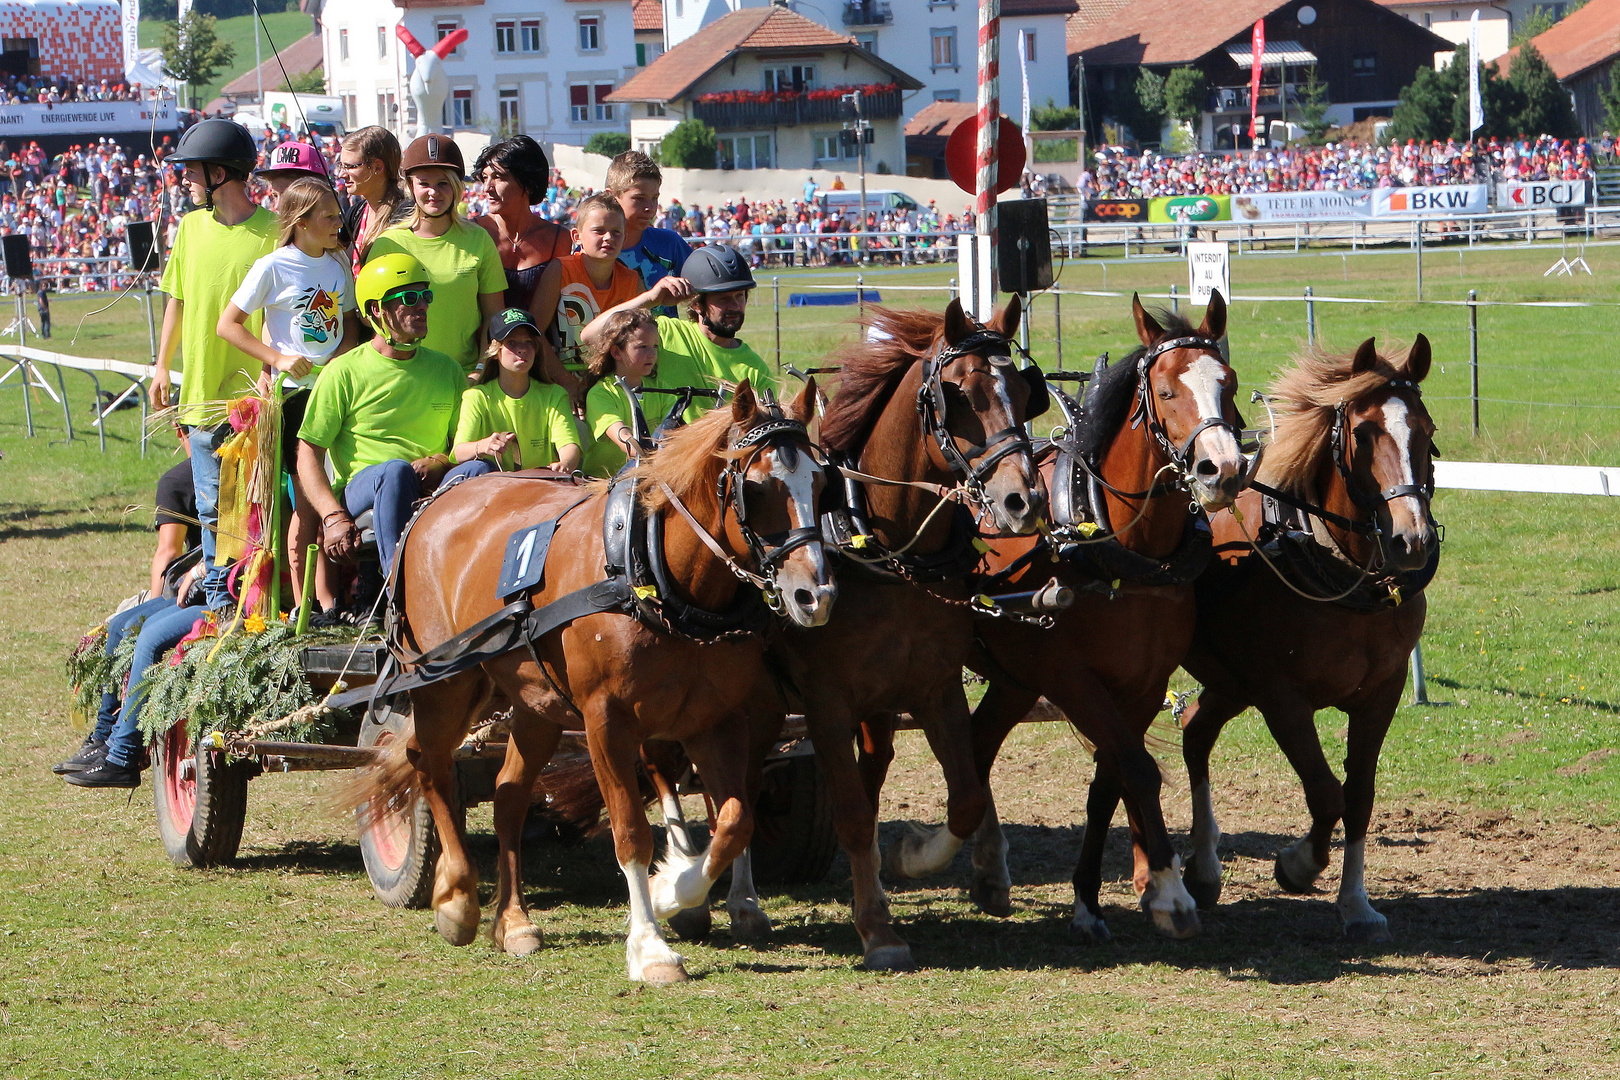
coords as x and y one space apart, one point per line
794 839
400 864
218 794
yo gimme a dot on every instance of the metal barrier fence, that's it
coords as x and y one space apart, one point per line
26 362
73 275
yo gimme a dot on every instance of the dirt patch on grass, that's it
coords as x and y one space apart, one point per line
1587 763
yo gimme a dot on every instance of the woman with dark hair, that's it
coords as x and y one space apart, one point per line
514 174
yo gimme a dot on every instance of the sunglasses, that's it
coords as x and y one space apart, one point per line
410 297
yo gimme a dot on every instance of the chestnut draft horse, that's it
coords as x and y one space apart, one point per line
656 668
1342 513
1155 428
928 416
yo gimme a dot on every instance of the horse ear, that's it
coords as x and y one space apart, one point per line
1418 359
1147 328
956 324
743 403
803 407
1006 321
1366 357
1214 326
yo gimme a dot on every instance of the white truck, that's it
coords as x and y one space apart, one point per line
322 114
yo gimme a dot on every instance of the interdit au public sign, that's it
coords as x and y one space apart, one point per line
86 118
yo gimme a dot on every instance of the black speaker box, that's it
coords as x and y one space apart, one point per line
143 248
1029 270
19 264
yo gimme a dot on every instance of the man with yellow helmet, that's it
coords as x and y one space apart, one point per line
385 413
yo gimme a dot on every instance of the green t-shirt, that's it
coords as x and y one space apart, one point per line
366 409
541 419
684 348
208 264
461 265
605 405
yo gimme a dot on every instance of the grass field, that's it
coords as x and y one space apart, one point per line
1494 850
284 28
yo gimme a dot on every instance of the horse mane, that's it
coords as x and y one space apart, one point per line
1109 397
689 460
871 370
1306 398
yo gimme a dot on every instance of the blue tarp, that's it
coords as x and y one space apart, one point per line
832 299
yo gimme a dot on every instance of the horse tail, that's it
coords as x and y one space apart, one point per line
571 795
387 781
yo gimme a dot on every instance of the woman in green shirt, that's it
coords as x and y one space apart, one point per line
463 266
513 418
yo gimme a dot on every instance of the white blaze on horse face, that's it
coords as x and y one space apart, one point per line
1397 422
1206 378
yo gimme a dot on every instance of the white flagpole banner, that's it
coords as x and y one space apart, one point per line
1476 108
132 36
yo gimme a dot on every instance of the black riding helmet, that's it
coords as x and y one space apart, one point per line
218 142
716 268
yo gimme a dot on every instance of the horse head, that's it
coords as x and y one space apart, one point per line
1384 450
772 487
974 402
1187 392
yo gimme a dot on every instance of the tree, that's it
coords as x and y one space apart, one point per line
608 143
310 82
1538 20
1609 97
1185 91
1149 116
1500 100
1313 105
193 53
1055 117
1545 108
690 144
1425 107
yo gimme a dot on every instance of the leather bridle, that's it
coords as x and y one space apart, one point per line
770 550
974 464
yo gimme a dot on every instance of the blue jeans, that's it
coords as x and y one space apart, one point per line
468 469
117 626
205 478
159 634
388 491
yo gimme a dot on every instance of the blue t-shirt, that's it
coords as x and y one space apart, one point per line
658 254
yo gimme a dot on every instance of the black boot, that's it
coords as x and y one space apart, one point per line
107 775
91 753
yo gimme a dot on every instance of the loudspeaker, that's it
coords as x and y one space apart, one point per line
19 264
1029 270
143 249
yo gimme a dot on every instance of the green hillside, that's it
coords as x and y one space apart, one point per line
285 28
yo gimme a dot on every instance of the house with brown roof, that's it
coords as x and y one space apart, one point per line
1584 52
773 85
647 19
299 58
1362 51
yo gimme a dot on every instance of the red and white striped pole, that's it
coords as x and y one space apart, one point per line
984 184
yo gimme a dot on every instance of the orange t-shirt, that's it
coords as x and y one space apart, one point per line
580 302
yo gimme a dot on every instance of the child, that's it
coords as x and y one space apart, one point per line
576 288
306 292
512 416
625 351
634 181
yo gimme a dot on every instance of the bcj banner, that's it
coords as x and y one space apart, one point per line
1541 194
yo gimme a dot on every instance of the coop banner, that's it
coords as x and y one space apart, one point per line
85 118
1117 211
1542 194
1302 206
1453 201
1187 209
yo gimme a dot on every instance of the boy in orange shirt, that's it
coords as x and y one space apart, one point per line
581 286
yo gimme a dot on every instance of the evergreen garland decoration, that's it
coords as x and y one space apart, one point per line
251 680
88 669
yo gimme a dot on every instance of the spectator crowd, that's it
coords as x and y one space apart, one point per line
64 89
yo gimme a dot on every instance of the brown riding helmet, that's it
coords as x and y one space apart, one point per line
434 151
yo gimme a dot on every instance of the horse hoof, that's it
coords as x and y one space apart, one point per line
663 974
1289 884
455 931
1090 931
991 898
750 926
1177 924
1206 894
1370 932
890 958
523 941
692 924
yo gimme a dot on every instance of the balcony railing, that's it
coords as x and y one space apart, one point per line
867 13
800 109
1236 98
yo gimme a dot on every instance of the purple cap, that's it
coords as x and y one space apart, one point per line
296 157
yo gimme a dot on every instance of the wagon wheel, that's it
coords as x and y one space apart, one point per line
399 844
794 839
201 800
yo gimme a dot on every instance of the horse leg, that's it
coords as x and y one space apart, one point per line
529 746
855 818
614 750
1293 726
442 713
947 724
682 882
1201 725
1002 707
1101 800
749 923
877 754
661 760
1369 723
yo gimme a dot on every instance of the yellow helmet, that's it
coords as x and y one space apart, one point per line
384 274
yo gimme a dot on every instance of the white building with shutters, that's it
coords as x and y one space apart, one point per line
541 67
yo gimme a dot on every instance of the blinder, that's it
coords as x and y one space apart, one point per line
1040 398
